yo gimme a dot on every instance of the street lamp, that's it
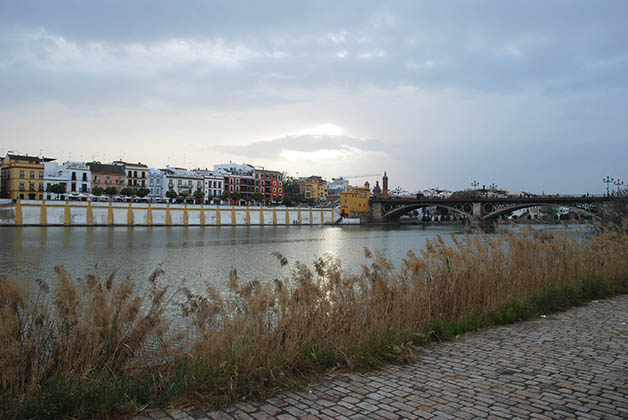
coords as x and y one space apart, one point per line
608 180
618 183
475 184
493 186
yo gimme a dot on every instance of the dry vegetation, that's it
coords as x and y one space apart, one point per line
89 347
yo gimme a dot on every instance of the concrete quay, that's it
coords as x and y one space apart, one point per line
571 365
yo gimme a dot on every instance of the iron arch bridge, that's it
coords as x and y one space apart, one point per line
390 209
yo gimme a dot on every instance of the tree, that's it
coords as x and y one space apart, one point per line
225 195
291 191
143 192
256 196
236 196
56 189
128 192
198 195
98 190
171 194
185 193
111 191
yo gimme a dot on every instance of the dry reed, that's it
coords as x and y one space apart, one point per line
262 336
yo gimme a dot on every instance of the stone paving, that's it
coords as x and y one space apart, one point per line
568 365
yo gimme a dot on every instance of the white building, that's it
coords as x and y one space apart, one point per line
214 184
235 169
76 177
156 181
337 185
182 181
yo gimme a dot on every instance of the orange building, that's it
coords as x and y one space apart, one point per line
269 184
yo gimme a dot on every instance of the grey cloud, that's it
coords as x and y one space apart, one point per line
230 49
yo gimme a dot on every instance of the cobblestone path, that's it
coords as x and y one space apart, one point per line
569 365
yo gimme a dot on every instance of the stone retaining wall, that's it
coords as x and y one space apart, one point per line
86 213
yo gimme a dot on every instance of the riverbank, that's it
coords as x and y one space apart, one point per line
257 337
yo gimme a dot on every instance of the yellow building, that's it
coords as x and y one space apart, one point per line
313 187
23 177
355 201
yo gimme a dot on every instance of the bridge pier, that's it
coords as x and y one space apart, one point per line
485 225
377 212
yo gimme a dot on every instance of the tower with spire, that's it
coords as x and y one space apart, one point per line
385 185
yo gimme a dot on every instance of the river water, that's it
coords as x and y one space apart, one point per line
201 255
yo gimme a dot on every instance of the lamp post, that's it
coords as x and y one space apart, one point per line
618 183
475 184
493 186
608 180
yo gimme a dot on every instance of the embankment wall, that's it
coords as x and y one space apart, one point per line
86 213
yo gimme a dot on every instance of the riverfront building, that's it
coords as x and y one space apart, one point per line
239 179
313 187
135 173
23 177
269 184
105 176
337 185
355 201
75 176
213 184
182 181
156 181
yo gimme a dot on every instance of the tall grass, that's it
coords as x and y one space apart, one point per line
90 347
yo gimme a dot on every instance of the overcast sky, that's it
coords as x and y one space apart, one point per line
530 95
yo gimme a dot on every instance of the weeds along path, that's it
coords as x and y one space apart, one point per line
568 365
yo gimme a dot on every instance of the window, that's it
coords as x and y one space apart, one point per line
84 177
21 173
21 186
41 174
274 182
275 190
32 174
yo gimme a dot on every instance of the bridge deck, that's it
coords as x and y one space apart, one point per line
500 200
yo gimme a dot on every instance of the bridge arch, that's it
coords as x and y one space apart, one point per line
400 211
510 209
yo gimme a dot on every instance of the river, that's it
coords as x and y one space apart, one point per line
206 254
